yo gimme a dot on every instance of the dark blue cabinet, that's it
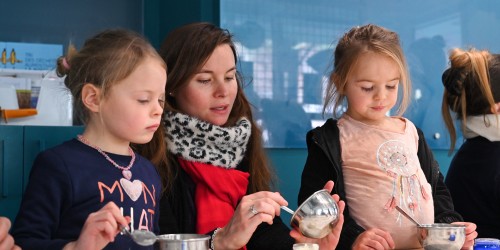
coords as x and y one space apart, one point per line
11 169
19 146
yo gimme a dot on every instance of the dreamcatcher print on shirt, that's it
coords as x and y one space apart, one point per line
401 166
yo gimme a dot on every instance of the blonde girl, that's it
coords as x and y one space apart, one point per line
377 161
80 193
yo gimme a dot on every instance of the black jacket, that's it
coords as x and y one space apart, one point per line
474 182
324 163
178 215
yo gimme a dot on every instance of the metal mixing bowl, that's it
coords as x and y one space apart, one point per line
441 236
316 216
183 242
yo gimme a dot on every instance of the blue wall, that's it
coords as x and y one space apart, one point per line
286 49
62 22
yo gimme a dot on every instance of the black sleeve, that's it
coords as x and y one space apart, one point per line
177 206
317 171
275 236
444 211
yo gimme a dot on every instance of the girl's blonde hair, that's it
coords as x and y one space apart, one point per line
352 45
106 58
472 87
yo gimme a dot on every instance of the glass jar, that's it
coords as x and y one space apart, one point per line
305 246
486 243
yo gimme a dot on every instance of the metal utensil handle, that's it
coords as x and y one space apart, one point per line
407 215
288 210
124 230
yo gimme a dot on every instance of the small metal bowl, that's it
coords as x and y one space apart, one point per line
316 216
183 241
441 236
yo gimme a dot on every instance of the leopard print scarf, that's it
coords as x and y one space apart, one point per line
200 141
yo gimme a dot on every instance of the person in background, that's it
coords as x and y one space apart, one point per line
6 240
472 97
82 192
377 161
216 161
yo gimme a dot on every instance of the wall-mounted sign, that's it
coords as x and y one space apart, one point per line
30 56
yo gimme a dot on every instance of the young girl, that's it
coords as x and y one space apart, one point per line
377 161
215 156
79 192
472 92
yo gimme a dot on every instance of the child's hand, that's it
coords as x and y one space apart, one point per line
100 228
470 234
374 238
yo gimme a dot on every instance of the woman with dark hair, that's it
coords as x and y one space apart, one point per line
216 174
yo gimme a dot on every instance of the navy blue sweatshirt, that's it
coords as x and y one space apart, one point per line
72 180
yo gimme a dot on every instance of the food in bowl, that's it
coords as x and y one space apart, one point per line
317 215
441 236
317 226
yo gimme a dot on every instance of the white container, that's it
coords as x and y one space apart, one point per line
8 97
305 246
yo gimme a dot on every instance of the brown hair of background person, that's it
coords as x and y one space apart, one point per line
467 87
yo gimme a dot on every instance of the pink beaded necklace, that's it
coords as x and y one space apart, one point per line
125 170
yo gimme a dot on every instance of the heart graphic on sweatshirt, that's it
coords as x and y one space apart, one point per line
132 188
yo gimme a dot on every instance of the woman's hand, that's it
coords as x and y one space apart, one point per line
252 210
470 234
100 228
6 240
331 240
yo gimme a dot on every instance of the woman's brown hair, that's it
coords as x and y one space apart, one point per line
186 50
472 87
